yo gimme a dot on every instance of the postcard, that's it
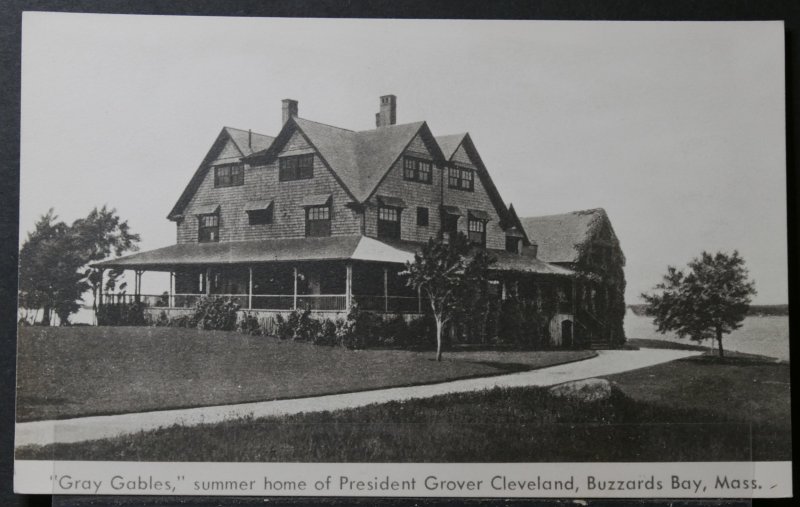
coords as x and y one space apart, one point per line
409 258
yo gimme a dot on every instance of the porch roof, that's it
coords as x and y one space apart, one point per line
358 248
248 252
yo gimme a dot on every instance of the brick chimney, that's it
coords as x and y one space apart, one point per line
289 109
388 112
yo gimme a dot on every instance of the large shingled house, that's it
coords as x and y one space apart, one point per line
320 217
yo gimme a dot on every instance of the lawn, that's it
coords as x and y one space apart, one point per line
67 372
697 409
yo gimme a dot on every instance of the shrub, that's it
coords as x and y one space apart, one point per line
327 333
249 324
121 314
162 320
216 313
297 326
185 321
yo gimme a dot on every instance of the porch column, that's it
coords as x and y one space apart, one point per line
348 290
137 286
171 299
208 282
100 293
503 290
294 298
250 290
419 300
386 290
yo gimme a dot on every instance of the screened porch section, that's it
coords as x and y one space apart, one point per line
328 286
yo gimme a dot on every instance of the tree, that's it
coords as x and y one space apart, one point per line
53 272
444 274
708 301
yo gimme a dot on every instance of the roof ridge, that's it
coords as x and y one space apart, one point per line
248 130
376 129
325 124
574 212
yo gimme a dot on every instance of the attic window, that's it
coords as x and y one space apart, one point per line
231 175
296 167
461 178
415 169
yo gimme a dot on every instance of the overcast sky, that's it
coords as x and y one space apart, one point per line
676 129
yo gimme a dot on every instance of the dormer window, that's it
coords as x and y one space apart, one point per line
415 169
231 175
461 178
296 167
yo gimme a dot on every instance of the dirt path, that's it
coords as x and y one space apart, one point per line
90 428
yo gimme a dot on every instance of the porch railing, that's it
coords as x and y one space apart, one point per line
391 304
314 302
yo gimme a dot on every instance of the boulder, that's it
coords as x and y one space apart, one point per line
591 389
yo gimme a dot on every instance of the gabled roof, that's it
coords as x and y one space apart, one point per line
246 142
560 236
360 160
450 144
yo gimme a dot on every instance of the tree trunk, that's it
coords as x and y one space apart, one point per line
438 339
719 342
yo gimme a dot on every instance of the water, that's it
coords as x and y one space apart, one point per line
767 336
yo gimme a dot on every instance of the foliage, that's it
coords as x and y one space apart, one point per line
249 324
448 279
121 314
216 313
522 324
54 258
298 326
708 301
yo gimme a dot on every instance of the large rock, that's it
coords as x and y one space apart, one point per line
591 389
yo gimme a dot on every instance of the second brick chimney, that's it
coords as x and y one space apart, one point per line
388 111
289 109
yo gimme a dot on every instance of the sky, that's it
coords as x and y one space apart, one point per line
676 129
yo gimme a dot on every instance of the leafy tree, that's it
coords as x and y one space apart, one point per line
53 272
443 272
709 300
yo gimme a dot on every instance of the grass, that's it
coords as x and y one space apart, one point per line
68 372
696 409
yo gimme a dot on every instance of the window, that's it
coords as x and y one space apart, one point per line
260 216
512 244
296 167
477 231
461 178
422 216
209 228
229 175
417 170
388 222
318 221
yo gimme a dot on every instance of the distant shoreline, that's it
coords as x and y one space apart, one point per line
754 311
